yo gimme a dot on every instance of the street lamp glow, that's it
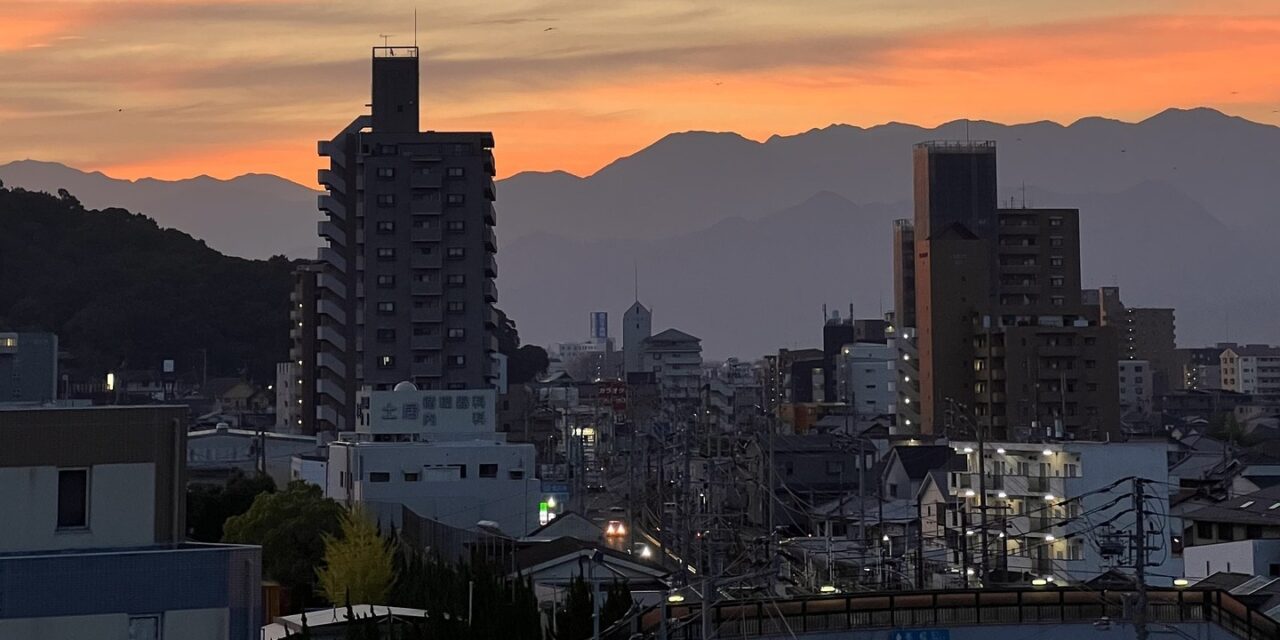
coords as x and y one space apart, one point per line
1002 495
1181 582
1000 450
1039 582
969 532
551 501
675 598
1050 538
885 537
1047 452
646 552
968 493
968 572
828 588
1048 497
967 450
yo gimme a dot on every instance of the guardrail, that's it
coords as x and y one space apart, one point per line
814 614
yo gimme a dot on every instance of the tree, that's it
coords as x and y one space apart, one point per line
209 506
359 564
291 526
573 620
616 604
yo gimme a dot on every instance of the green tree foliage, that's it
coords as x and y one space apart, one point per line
209 506
502 607
120 290
573 619
616 604
359 564
524 363
291 526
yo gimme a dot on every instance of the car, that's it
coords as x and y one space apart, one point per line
615 529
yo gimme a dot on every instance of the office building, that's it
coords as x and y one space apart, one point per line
437 453
406 289
28 367
1251 368
1002 336
637 325
91 545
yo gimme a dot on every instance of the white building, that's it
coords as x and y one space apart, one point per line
675 360
866 377
438 453
1254 557
213 454
92 539
1251 368
288 397
1050 509
1136 385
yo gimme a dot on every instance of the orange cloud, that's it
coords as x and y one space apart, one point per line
578 108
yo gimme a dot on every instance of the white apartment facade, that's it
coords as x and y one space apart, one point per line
437 453
1050 509
675 359
1251 368
1136 385
867 377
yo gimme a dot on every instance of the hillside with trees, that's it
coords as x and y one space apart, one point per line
122 292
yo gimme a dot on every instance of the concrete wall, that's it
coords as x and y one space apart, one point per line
1254 557
192 624
117 517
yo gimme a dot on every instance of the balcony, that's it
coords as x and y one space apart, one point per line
490 291
332 257
328 229
327 387
331 362
490 268
490 240
331 283
490 192
330 308
428 261
425 288
329 179
331 205
418 234
331 150
426 343
424 178
426 314
490 215
425 206
326 413
331 335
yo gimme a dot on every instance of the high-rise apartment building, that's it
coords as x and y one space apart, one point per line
1143 333
406 288
1002 335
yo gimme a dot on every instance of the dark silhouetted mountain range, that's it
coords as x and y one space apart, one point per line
741 242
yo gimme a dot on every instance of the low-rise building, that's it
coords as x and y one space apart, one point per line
867 378
1045 509
1136 384
1254 557
28 367
1251 368
439 454
91 545
213 455
675 360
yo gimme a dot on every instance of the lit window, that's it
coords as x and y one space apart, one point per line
386 362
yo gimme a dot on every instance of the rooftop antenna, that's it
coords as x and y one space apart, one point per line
1024 194
635 266
386 38
966 130
415 27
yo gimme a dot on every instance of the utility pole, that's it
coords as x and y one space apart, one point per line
1140 559
982 496
964 546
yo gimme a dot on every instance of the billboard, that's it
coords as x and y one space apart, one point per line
414 411
600 324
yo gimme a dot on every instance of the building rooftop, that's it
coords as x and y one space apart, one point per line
1260 507
1254 350
958 146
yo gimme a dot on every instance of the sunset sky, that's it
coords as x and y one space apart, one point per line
175 89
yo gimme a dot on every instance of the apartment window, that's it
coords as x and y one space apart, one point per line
1091 364
386 150
1090 341
457 334
516 474
379 476
386 335
386 172
386 282
457 307
488 470
456 386
1057 301
386 199
386 226
421 224
834 468
422 358
144 627
457 280
455 198
456 172
1055 241
411 476
1056 282
457 361
457 226
386 253
73 498
386 308
424 277
1055 261
386 362
456 253
1055 221
1226 531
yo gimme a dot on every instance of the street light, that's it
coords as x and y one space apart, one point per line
828 588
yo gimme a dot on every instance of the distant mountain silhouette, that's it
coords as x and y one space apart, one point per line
252 216
741 242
